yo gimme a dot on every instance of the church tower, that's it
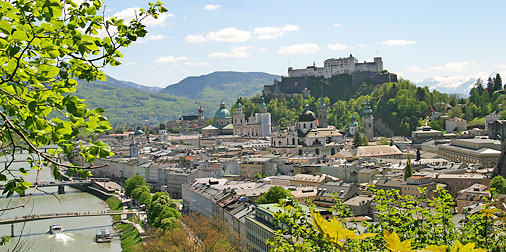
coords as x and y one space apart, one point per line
239 120
134 148
263 107
201 113
322 113
368 121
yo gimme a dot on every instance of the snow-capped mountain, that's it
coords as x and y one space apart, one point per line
454 84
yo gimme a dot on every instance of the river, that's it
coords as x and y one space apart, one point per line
79 232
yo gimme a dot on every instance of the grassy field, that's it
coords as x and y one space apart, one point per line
115 204
130 238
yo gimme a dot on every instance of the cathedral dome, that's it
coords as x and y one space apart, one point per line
307 115
222 112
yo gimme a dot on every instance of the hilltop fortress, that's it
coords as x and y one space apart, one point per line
336 74
333 67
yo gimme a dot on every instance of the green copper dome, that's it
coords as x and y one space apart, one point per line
353 122
222 112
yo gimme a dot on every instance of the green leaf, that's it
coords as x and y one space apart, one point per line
5 27
20 35
49 71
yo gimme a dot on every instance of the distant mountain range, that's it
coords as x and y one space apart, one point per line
129 103
128 84
216 86
455 84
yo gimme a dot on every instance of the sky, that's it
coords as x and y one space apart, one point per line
416 39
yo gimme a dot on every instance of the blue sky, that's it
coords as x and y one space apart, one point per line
417 39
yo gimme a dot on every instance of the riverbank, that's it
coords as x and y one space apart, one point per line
130 237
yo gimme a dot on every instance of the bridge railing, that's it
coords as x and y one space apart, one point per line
38 216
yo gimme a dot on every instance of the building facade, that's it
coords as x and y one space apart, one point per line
338 66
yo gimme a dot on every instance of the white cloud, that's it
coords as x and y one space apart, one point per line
336 25
270 32
196 63
171 59
337 46
195 38
453 66
130 13
212 7
230 34
499 66
305 48
416 69
235 52
151 37
398 42
263 49
362 45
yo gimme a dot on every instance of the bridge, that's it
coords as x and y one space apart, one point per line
60 184
37 217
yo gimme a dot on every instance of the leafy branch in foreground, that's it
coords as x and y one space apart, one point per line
407 224
45 45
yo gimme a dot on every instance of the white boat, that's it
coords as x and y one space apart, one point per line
55 229
103 235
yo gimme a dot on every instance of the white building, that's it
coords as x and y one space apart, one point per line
455 124
338 66
258 125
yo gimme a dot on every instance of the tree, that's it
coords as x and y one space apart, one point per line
498 82
162 212
490 86
273 195
408 171
45 47
133 183
357 140
406 224
383 141
479 86
365 141
499 184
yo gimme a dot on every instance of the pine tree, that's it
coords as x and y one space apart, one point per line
490 86
408 171
497 82
479 86
365 141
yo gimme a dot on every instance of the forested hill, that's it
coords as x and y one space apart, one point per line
221 85
127 84
130 107
400 106
128 103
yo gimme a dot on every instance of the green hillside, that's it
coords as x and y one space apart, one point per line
216 86
128 106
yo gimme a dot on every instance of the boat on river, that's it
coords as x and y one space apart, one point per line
55 229
103 236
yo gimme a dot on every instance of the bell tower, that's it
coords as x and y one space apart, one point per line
368 121
323 121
